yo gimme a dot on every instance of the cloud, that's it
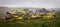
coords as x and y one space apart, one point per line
31 3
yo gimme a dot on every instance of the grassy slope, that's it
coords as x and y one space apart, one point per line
33 23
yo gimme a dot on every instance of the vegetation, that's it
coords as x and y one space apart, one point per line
36 22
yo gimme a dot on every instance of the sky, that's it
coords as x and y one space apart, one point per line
30 3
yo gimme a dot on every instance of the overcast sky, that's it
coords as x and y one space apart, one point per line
31 3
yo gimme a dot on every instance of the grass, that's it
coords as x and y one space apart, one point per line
33 23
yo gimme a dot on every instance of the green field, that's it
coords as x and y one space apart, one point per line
33 23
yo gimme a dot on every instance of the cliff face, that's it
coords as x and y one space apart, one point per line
3 10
